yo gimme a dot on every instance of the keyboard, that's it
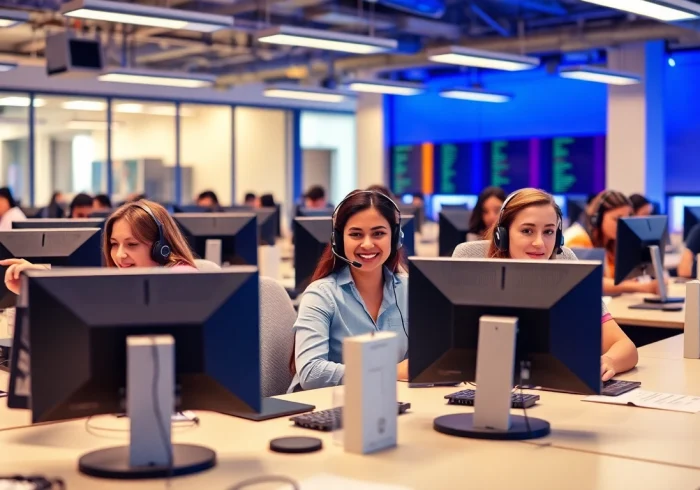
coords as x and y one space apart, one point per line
615 387
331 419
466 397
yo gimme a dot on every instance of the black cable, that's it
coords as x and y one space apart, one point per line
264 479
167 445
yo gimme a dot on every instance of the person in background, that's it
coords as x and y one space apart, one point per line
102 202
534 222
600 231
9 210
418 199
128 239
688 267
209 199
641 205
267 201
345 300
315 198
55 207
250 200
81 206
485 212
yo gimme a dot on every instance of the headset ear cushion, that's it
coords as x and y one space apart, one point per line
399 239
500 238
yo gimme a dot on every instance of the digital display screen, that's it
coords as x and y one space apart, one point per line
574 165
508 164
453 168
406 169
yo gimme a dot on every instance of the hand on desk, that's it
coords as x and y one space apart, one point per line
607 368
14 269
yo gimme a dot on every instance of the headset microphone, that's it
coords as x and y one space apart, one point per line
353 263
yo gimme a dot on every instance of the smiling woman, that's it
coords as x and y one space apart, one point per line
356 289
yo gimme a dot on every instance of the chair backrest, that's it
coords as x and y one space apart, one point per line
206 265
277 317
479 250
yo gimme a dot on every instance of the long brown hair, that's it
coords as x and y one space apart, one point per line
145 230
521 200
600 205
358 200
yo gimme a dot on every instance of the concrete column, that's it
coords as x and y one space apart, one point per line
372 167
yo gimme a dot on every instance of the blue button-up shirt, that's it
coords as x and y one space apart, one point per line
332 309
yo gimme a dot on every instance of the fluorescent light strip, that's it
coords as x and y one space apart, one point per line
165 110
14 101
158 78
665 10
91 125
9 18
600 75
475 95
458 55
328 40
145 15
385 87
304 94
84 105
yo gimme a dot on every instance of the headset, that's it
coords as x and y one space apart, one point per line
596 216
160 253
337 235
396 240
502 240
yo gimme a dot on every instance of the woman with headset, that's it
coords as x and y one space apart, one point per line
530 227
356 289
138 234
600 231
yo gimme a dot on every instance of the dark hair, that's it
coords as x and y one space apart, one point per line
382 189
267 201
81 200
418 195
54 209
315 193
603 203
103 200
358 200
476 220
638 201
208 195
7 194
249 196
355 202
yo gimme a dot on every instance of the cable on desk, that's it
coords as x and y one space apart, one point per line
265 479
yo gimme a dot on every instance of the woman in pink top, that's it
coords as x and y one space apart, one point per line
532 223
138 234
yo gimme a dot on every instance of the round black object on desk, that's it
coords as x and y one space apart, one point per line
114 463
296 445
462 425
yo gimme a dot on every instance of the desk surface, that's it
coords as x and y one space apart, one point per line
670 348
623 315
592 446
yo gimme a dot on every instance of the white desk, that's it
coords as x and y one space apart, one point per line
670 348
623 315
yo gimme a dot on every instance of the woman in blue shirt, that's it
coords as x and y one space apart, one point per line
356 289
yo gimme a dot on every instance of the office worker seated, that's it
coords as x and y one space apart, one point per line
687 267
9 210
81 206
138 234
529 227
600 231
356 289
485 212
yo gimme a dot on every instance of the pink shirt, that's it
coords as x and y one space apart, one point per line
606 318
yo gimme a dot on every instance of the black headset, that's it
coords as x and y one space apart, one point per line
337 235
160 253
596 216
502 240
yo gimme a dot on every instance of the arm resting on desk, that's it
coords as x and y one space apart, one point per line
685 266
312 343
618 347
630 286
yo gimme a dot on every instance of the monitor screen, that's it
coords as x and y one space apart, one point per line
236 234
407 168
511 164
453 169
573 165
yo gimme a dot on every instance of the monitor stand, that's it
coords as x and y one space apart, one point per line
491 418
212 251
662 301
150 402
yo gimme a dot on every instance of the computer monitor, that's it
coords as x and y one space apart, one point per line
408 226
412 210
314 212
589 254
691 217
102 213
311 237
503 322
639 250
191 208
31 212
268 221
58 223
576 210
223 238
81 247
110 356
453 225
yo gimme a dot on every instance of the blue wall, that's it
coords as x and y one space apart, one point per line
547 105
